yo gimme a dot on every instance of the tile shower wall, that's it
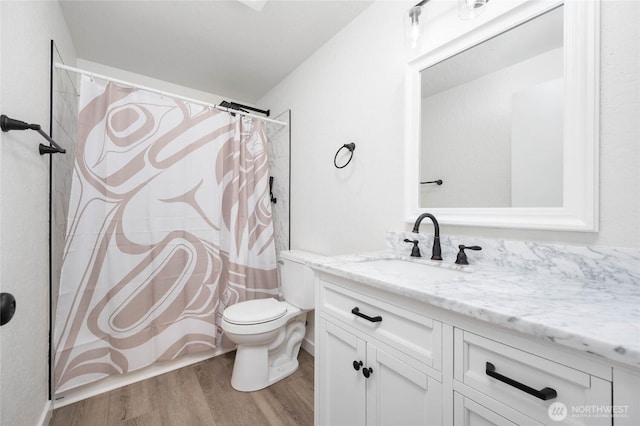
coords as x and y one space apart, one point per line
65 118
279 137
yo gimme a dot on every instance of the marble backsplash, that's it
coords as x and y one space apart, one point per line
602 264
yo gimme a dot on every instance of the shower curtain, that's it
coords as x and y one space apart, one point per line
169 223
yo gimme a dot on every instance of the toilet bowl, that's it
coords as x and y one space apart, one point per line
269 332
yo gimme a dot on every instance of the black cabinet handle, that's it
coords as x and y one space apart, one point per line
357 365
366 372
356 311
544 394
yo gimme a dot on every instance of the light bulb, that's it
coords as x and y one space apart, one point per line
413 30
470 9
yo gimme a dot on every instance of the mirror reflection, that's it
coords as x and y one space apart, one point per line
492 121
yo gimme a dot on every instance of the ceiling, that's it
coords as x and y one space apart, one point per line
217 46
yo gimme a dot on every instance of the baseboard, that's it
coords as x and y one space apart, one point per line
115 382
45 417
309 346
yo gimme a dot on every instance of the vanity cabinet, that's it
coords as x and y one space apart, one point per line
371 368
428 366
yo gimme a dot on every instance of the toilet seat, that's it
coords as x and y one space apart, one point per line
256 311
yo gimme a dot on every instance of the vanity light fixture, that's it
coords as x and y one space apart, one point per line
467 9
413 27
471 9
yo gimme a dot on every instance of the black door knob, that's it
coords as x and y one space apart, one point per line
7 307
367 372
357 365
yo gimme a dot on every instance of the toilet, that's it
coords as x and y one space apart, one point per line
269 332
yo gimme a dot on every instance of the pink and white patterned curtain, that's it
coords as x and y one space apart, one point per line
169 223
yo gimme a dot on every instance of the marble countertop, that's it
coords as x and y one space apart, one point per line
598 316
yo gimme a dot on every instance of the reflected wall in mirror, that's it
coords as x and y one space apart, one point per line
506 115
492 121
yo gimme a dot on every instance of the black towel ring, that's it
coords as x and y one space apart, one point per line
351 147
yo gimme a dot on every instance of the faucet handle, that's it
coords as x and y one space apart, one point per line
462 256
415 251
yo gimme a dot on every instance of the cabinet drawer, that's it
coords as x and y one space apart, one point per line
416 335
522 381
467 412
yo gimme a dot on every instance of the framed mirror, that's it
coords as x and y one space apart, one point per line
506 117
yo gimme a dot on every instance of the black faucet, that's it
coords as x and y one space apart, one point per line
436 251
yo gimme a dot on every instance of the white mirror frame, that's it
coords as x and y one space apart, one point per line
581 130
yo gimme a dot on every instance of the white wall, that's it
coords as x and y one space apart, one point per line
620 125
26 31
351 89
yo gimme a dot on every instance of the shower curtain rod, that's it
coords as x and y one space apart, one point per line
162 92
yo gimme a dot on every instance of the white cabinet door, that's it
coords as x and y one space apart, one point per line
394 393
399 394
342 390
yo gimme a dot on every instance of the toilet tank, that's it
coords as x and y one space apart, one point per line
297 279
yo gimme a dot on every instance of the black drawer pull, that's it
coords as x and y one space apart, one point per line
357 365
544 394
356 311
366 372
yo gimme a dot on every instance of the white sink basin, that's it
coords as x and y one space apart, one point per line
402 268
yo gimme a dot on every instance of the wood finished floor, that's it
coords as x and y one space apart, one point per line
200 394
